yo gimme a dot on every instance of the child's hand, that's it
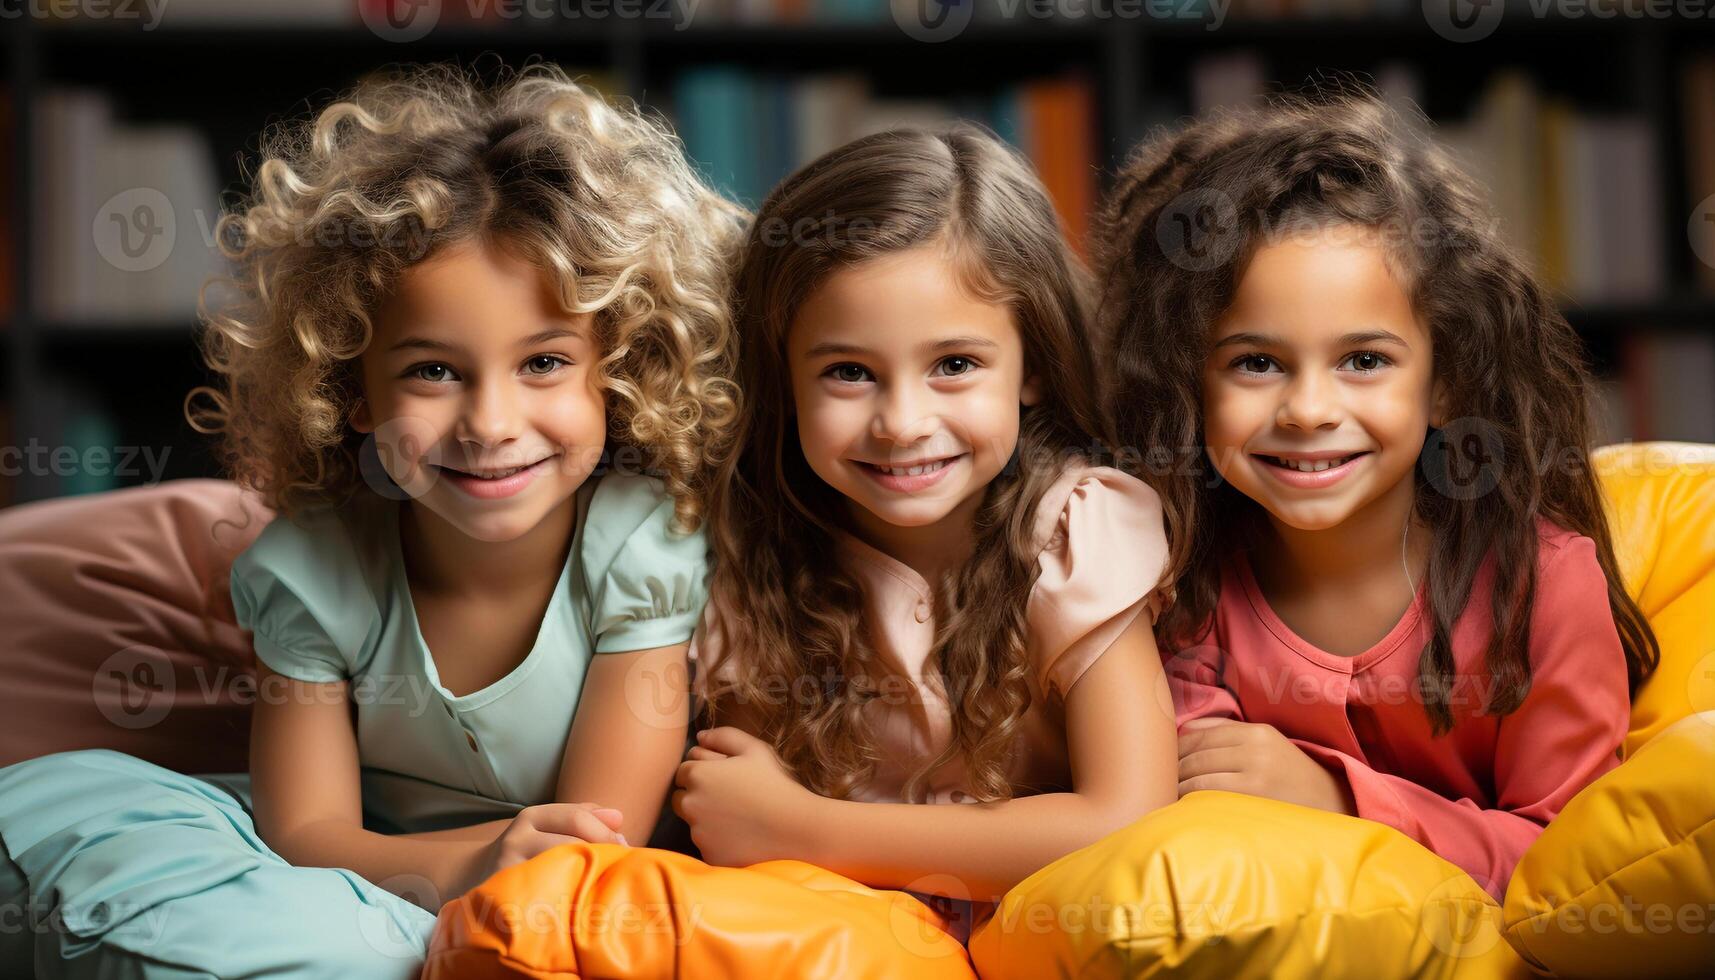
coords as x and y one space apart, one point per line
536 829
740 801
1220 753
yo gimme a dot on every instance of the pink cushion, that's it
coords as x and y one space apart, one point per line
116 626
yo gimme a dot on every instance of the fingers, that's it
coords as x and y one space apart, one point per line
573 820
1226 758
728 740
1196 724
1227 781
698 752
1209 737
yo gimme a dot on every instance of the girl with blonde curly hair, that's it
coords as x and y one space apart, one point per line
475 352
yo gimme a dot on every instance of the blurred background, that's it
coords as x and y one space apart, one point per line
128 124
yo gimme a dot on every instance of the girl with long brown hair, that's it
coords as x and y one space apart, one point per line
1397 593
926 588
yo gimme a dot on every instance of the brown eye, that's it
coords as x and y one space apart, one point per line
434 373
957 365
543 364
1367 360
849 373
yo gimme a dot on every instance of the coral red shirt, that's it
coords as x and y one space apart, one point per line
1477 795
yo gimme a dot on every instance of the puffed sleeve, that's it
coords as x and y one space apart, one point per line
301 591
1105 551
1565 734
646 580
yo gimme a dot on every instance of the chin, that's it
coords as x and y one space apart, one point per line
1310 518
490 523
918 516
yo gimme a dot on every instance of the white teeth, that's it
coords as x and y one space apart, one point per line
913 470
1310 466
498 474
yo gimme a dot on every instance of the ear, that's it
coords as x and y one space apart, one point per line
1440 405
360 417
1031 393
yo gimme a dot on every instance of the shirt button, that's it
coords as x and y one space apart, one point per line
468 737
922 612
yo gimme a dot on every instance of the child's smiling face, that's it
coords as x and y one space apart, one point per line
481 391
907 389
1319 362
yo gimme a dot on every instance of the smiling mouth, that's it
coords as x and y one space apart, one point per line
1309 465
918 470
495 474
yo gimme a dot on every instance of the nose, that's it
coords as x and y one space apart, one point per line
902 416
1310 401
491 415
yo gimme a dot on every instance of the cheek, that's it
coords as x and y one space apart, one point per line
1399 409
826 425
575 415
989 417
1230 413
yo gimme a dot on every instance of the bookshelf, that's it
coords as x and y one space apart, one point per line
125 380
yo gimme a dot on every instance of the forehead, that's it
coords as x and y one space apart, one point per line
476 291
1317 287
898 302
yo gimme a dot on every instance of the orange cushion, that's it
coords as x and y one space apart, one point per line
603 910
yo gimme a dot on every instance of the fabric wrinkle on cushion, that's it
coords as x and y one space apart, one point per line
118 630
604 910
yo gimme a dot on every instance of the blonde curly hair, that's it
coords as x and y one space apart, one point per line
599 195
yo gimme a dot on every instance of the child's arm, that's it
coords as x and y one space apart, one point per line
1194 675
1561 738
1120 740
1566 733
628 735
309 808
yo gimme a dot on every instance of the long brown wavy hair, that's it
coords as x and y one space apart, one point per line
597 194
1190 207
787 607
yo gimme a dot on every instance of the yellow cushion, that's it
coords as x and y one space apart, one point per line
1622 883
1227 885
1660 500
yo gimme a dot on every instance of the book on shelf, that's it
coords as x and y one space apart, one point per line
1699 105
8 225
1577 194
748 130
123 219
1667 382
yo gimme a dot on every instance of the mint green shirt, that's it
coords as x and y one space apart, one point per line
327 600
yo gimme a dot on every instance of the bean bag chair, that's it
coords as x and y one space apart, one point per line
1620 884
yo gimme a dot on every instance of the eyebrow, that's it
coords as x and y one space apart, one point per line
540 337
1353 339
951 343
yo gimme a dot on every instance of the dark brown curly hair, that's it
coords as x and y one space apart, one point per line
1189 208
785 601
